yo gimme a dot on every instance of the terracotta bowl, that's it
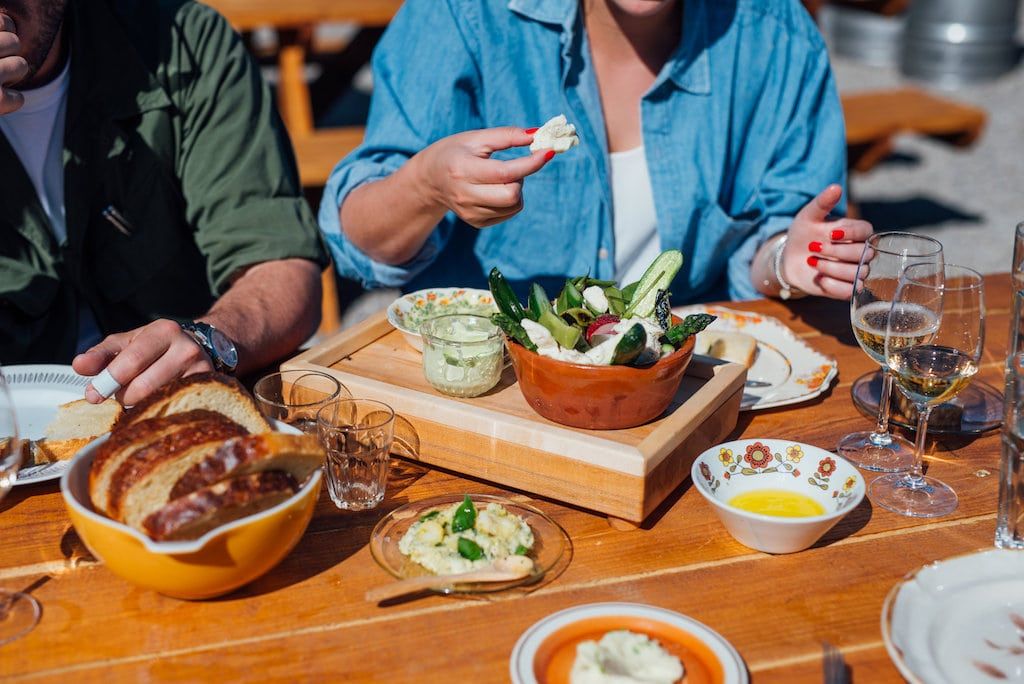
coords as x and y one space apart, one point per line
598 397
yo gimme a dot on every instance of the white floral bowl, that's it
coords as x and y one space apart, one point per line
723 471
409 312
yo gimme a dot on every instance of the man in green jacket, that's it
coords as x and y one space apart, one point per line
150 211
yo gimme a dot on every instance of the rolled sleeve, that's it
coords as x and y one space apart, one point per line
810 155
237 169
406 115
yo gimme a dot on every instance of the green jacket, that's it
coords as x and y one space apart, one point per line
169 121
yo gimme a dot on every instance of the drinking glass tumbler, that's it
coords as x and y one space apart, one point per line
1010 515
462 354
295 396
357 435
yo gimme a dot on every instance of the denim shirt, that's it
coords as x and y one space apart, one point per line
741 128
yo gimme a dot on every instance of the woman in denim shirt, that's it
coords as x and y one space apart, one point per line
709 126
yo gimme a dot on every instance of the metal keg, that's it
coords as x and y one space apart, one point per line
955 42
864 36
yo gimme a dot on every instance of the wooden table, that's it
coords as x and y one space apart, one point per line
307 620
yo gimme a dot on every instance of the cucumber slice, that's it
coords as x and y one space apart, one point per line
565 335
658 276
630 346
538 302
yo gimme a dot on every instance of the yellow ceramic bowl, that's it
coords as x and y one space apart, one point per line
220 561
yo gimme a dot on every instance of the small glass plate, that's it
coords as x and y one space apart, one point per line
982 406
550 542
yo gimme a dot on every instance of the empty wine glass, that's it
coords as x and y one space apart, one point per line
884 258
19 612
930 369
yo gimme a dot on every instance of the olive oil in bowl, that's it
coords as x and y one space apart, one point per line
778 502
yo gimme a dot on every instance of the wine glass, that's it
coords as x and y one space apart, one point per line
930 369
19 612
884 257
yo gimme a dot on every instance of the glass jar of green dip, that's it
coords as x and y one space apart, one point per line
462 354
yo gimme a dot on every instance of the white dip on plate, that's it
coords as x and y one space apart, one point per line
624 657
497 531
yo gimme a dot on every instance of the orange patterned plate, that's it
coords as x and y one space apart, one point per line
545 653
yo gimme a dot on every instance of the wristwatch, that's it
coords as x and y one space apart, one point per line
217 345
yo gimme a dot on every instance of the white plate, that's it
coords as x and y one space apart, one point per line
786 370
524 654
959 620
37 391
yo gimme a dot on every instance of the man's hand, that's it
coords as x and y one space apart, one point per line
821 255
458 173
142 360
13 66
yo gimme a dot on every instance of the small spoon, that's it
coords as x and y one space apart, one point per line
501 570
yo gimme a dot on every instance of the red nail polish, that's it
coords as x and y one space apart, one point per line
530 131
812 261
548 155
838 234
814 246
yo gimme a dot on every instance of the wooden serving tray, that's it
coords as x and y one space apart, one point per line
497 437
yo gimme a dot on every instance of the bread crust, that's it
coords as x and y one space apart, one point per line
143 461
192 516
299 455
156 404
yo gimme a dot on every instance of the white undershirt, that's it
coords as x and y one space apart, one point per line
36 132
634 222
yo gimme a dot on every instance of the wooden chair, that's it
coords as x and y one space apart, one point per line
316 150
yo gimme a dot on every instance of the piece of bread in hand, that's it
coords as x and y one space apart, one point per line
189 517
209 391
297 455
143 481
76 424
727 345
125 441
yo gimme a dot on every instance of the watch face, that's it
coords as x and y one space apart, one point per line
224 348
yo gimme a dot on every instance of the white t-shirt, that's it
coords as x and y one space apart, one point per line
36 132
635 223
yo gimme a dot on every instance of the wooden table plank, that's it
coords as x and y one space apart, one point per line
307 618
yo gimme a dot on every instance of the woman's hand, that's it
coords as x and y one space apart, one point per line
821 254
460 175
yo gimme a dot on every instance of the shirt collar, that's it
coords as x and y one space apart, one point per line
547 11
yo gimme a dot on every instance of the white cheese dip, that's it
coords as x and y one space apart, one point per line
624 657
602 346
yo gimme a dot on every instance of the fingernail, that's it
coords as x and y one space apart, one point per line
548 155
838 234
812 261
530 131
814 246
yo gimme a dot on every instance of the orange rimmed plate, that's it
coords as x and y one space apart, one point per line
546 651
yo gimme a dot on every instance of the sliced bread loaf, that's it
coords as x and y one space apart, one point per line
76 424
143 481
191 516
125 441
298 455
208 391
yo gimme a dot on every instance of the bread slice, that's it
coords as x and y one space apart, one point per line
125 441
76 424
298 455
209 391
727 345
192 516
143 481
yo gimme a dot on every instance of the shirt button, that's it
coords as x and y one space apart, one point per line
602 253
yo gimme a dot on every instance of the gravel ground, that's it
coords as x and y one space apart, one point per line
968 199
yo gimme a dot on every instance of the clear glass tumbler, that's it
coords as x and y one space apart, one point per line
295 396
357 435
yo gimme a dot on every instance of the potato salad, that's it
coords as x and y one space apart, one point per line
460 538
624 657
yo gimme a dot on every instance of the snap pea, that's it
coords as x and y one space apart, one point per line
570 298
469 549
616 302
514 330
465 516
628 291
504 297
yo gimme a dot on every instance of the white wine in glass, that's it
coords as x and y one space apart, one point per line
884 258
930 371
19 612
